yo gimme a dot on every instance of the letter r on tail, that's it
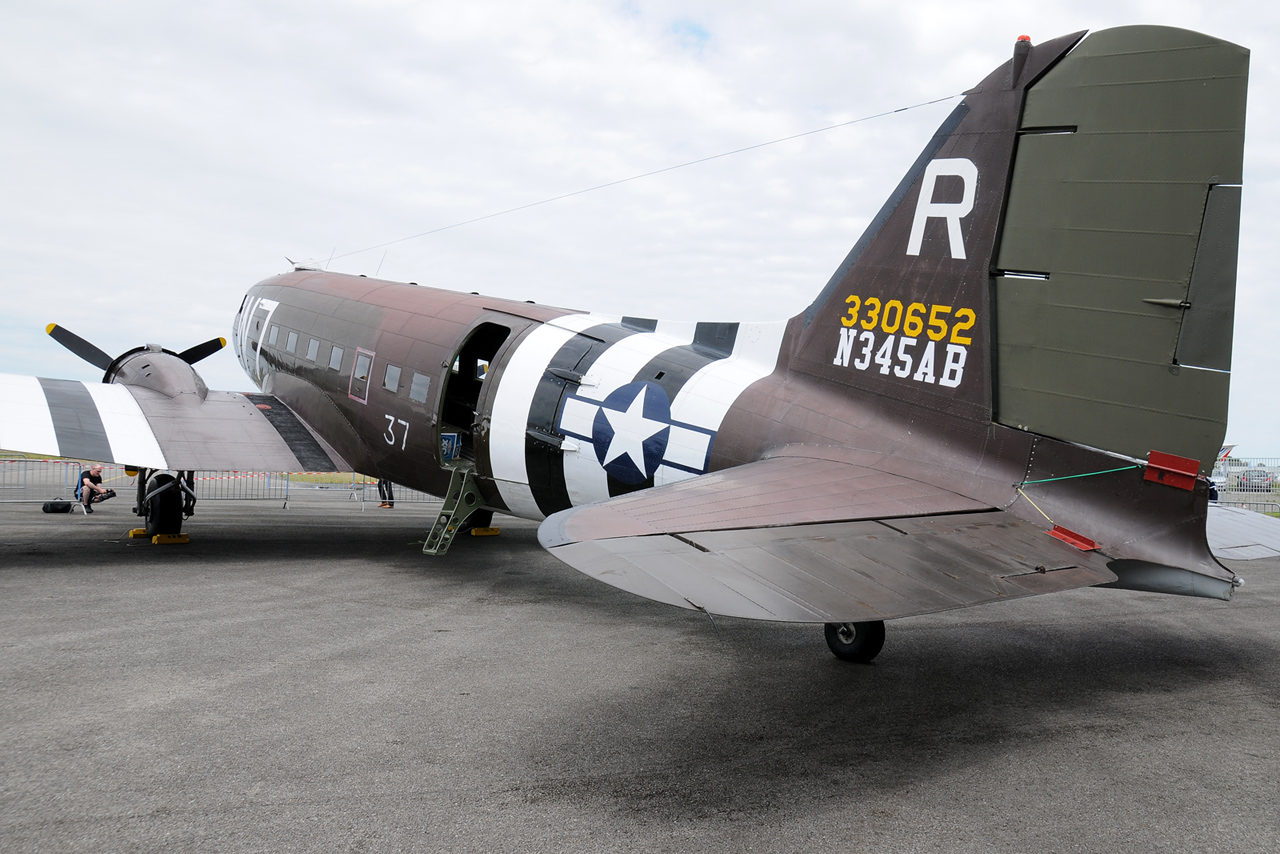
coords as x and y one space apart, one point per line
952 212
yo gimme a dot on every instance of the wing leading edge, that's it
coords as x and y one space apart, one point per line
717 544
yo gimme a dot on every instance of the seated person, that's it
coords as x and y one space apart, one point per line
90 489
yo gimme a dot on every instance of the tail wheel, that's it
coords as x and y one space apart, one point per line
164 506
858 642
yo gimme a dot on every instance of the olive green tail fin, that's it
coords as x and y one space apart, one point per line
1114 282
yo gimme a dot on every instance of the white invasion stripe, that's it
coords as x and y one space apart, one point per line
619 365
707 396
581 322
270 305
25 422
682 329
584 478
132 440
519 499
510 418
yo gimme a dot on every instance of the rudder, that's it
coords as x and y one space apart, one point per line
1122 227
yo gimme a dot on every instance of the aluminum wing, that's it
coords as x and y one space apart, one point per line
804 540
136 426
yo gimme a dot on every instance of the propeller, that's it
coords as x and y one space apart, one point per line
191 355
79 346
99 359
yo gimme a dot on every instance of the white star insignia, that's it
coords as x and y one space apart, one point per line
630 431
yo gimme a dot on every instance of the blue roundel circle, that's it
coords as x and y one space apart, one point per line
631 430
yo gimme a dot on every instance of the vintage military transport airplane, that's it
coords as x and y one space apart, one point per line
1013 385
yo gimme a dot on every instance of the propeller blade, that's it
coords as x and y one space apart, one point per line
79 346
201 351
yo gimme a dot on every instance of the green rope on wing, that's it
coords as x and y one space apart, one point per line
1073 476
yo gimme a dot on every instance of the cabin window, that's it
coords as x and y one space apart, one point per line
420 388
335 358
313 349
271 339
293 342
363 361
391 379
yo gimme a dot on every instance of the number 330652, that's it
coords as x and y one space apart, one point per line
913 319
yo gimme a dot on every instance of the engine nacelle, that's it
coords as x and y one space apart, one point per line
158 369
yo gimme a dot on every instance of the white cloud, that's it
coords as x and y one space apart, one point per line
157 159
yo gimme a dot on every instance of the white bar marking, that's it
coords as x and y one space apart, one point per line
132 440
25 422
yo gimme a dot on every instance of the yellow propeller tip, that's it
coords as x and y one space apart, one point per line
49 329
224 341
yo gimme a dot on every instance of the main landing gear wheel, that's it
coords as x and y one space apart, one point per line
163 505
858 642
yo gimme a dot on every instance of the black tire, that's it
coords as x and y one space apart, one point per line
164 510
859 642
478 519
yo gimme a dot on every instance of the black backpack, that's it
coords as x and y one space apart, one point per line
57 506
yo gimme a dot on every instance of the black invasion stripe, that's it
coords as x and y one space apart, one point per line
543 458
715 339
640 324
672 368
76 421
299 439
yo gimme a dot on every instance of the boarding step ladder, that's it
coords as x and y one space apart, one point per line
462 499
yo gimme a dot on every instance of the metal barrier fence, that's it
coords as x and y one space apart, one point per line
214 485
365 488
24 480
45 480
1247 475
1267 508
38 480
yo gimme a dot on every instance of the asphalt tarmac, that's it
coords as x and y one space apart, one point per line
306 680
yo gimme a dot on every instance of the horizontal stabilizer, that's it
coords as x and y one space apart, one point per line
1239 534
806 539
780 490
845 571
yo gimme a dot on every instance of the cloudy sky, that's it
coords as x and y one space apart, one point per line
156 159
